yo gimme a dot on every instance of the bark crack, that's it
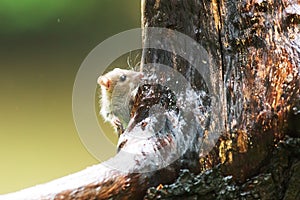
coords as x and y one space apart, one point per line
219 29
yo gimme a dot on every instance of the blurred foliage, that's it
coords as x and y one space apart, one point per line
33 15
29 14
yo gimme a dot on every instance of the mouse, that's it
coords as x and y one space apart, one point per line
118 89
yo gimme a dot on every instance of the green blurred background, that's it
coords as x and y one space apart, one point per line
42 44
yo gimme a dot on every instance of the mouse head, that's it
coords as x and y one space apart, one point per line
119 76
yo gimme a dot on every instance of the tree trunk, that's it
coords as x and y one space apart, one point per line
253 59
255 46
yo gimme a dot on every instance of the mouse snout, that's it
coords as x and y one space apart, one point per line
104 81
140 75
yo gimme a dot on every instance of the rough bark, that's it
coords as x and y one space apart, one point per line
255 46
277 179
261 59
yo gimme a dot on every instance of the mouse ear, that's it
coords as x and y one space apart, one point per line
104 81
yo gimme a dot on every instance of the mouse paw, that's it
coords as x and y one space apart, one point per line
119 127
116 122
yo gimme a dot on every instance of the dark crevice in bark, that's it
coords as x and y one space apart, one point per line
222 49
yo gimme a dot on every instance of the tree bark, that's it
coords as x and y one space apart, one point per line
255 46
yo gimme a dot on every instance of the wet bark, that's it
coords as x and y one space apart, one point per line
254 47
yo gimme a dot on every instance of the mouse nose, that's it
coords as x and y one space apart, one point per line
103 81
141 75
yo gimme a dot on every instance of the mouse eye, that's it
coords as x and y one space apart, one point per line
123 77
